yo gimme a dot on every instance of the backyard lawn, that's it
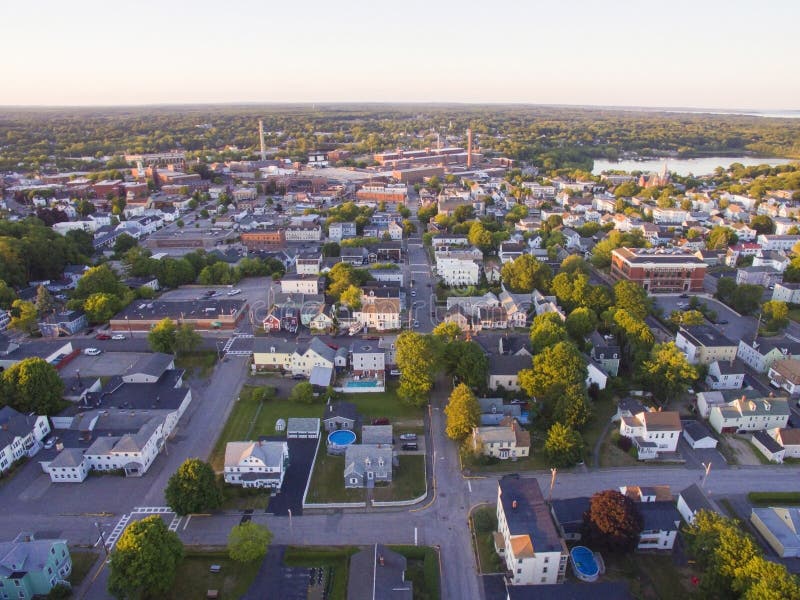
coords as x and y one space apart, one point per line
650 575
422 570
384 404
408 480
198 364
194 578
602 410
251 418
483 522
327 480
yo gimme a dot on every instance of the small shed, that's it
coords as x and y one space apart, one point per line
280 425
698 435
302 428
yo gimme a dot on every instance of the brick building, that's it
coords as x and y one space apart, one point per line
269 239
658 271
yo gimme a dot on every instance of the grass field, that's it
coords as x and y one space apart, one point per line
198 364
235 497
194 578
384 404
335 559
602 410
774 498
483 522
82 563
612 455
251 418
327 481
408 480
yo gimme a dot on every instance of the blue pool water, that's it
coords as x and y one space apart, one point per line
584 563
361 383
342 437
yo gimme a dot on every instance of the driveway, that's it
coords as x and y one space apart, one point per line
286 583
695 457
301 454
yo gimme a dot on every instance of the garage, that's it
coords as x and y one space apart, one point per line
698 435
302 428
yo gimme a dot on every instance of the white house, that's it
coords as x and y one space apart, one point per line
725 375
301 284
785 374
503 441
378 312
316 354
459 267
652 432
527 539
20 435
691 501
749 414
340 231
256 464
761 353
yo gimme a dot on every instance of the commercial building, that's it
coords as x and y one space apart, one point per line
203 315
383 192
267 239
658 271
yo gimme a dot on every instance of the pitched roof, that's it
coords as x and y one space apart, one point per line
668 420
269 453
527 515
346 410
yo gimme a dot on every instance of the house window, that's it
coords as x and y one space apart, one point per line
519 571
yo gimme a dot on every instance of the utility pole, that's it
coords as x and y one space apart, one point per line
102 537
553 472
705 475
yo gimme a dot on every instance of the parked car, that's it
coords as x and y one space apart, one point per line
410 446
683 296
380 421
117 337
102 336
413 292
722 322
395 372
416 323
234 292
50 442
91 352
408 437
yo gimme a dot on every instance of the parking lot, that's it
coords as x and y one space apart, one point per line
105 364
736 328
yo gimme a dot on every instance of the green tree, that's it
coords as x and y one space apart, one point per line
45 304
479 237
525 273
416 359
762 224
101 307
689 317
331 249
145 560
99 280
463 413
776 314
612 522
633 298
7 295
720 237
85 208
581 322
572 407
23 316
467 361
667 373
186 339
162 336
124 242
447 331
553 369
547 330
574 264
351 297
302 393
563 446
32 386
248 542
193 488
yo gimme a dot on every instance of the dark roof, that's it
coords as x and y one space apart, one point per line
604 590
345 410
187 309
508 365
767 441
154 364
377 573
695 499
705 335
159 395
696 430
14 424
570 510
658 516
530 517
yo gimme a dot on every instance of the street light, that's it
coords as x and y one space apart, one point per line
291 529
553 472
705 475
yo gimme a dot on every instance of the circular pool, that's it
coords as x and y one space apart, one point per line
339 440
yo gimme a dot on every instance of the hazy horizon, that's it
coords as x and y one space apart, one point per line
618 54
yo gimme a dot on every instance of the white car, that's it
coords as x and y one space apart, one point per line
117 337
234 292
91 352
416 324
413 292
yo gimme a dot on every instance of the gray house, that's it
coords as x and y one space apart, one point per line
340 415
378 573
377 435
366 464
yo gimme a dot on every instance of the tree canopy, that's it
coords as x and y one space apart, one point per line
463 413
612 522
193 488
248 542
563 446
32 386
145 560
416 359
525 273
667 373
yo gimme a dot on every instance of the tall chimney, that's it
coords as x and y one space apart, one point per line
261 139
469 148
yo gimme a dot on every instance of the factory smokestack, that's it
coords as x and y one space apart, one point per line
469 148
261 139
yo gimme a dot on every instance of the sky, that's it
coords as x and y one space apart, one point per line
730 54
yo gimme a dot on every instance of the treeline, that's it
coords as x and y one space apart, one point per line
549 137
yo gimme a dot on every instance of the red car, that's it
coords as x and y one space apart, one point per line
102 336
381 421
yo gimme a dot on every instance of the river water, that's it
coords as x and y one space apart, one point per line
684 166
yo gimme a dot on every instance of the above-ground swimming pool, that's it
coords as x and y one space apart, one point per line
584 563
339 440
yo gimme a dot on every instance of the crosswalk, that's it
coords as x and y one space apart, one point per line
176 520
229 344
112 538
